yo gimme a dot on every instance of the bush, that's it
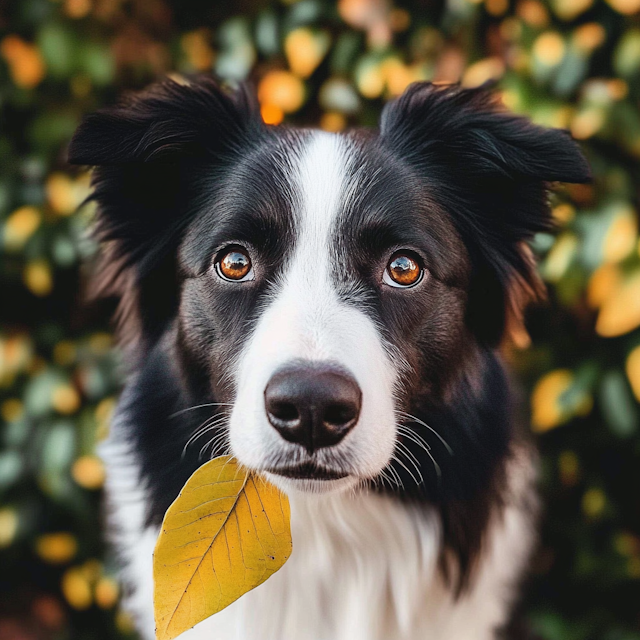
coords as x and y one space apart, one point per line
566 63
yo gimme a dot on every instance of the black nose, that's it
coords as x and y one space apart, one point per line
312 405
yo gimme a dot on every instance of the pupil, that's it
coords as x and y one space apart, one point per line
235 264
404 270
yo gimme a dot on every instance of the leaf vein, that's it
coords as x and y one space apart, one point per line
186 589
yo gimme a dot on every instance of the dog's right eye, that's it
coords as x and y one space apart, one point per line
234 264
403 270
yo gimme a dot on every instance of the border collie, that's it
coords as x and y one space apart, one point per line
327 308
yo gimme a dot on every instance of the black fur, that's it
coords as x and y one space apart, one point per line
156 156
490 170
184 170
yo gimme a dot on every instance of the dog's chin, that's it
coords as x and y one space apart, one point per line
289 483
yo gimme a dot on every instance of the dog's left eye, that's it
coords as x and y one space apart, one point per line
403 270
234 264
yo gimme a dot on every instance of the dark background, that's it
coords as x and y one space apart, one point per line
566 63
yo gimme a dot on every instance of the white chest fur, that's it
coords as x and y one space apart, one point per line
364 567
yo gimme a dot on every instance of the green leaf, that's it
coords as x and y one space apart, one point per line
619 408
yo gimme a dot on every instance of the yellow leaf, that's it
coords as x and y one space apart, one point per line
65 194
633 371
482 71
305 50
370 80
281 89
593 502
570 9
560 257
26 65
225 534
547 412
76 589
604 281
333 121
38 278
20 226
8 526
620 239
65 399
534 13
56 548
271 114
88 472
549 48
106 593
196 45
620 312
626 7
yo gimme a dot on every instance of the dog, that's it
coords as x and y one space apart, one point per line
327 308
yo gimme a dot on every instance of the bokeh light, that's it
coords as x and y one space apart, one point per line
573 64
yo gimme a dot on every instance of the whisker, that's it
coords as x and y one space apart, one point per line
383 474
200 406
436 467
410 455
204 426
208 425
353 491
214 419
396 475
225 465
424 424
404 466
427 449
216 441
414 437
414 462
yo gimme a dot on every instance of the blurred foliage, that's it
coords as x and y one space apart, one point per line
566 63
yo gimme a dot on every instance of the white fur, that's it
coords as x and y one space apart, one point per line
125 507
363 567
305 319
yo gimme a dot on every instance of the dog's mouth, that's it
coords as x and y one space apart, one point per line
308 471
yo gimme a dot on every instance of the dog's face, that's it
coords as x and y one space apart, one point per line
323 288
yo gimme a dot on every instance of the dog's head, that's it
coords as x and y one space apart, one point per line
322 287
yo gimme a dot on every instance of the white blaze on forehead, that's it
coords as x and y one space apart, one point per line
320 185
322 181
306 320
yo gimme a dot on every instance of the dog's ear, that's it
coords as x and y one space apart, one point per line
490 171
148 151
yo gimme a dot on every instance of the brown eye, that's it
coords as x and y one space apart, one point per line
403 270
235 264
